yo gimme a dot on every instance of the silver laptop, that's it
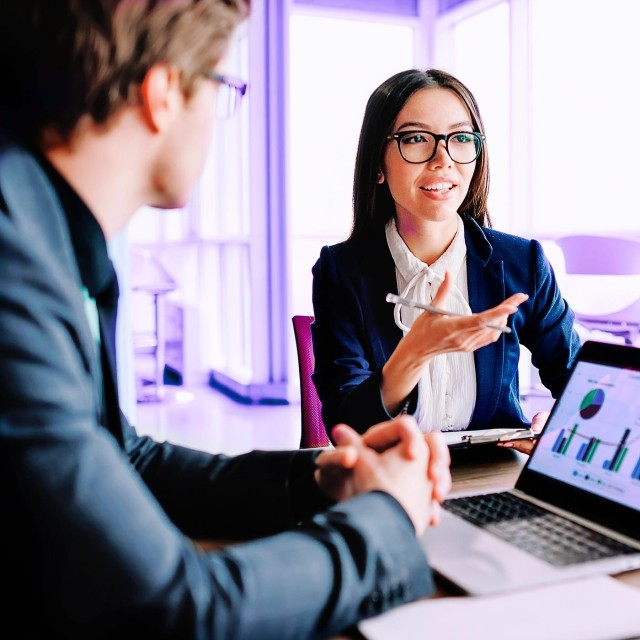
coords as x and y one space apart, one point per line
575 508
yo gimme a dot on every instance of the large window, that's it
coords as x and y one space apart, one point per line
584 58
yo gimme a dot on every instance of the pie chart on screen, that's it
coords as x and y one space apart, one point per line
591 403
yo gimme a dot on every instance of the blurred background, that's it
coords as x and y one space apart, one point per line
209 290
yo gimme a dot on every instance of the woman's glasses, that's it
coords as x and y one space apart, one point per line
417 146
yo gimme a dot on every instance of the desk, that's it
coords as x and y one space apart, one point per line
476 471
485 468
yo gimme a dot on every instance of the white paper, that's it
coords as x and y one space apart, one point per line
600 608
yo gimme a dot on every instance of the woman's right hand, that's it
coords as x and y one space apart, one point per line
434 334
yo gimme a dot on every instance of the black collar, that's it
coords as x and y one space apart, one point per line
89 244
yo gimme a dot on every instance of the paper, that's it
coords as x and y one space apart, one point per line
600 608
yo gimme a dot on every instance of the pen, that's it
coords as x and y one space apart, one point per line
391 297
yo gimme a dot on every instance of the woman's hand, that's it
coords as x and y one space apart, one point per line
434 334
526 445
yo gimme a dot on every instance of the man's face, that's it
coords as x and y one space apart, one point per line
185 146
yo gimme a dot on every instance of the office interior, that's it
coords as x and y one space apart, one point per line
209 290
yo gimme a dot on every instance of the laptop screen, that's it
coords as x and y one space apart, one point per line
592 438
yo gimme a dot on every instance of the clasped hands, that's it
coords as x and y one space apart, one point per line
394 457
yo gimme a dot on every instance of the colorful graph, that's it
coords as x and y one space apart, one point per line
591 403
592 438
621 451
587 450
589 446
562 444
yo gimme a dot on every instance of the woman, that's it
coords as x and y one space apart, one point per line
421 229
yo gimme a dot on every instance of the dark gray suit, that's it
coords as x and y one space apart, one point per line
95 518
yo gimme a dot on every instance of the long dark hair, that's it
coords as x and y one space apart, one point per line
373 205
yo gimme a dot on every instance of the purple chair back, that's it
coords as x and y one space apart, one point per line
313 432
605 256
600 255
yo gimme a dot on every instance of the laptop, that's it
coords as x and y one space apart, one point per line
575 508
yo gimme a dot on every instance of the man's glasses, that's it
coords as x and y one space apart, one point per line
417 146
229 94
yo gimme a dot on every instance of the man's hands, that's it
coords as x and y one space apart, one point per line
394 457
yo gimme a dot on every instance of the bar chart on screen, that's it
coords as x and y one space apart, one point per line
586 446
592 439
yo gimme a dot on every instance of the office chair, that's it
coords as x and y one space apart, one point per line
313 432
602 283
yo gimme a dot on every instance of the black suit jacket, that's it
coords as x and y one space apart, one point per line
94 517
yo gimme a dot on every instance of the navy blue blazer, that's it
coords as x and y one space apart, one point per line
354 332
97 522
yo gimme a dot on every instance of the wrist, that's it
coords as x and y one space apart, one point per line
305 493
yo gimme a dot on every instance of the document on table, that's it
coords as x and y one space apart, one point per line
599 608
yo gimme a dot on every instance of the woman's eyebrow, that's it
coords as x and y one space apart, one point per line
425 127
464 123
413 125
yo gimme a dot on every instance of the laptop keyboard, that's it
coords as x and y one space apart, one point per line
541 533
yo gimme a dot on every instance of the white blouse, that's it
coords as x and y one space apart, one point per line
447 388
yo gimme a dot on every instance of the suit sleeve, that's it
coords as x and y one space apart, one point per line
348 347
261 492
93 552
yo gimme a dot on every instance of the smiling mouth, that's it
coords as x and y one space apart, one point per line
439 186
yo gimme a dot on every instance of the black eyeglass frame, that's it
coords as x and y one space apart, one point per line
437 137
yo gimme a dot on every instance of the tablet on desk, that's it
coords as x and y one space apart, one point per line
465 439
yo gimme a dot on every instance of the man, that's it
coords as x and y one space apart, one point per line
108 107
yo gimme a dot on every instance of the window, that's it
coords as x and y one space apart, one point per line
584 115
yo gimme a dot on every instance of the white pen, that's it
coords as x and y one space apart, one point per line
407 302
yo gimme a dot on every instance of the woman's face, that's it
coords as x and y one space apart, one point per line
433 190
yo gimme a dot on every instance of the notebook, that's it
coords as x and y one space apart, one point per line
575 508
